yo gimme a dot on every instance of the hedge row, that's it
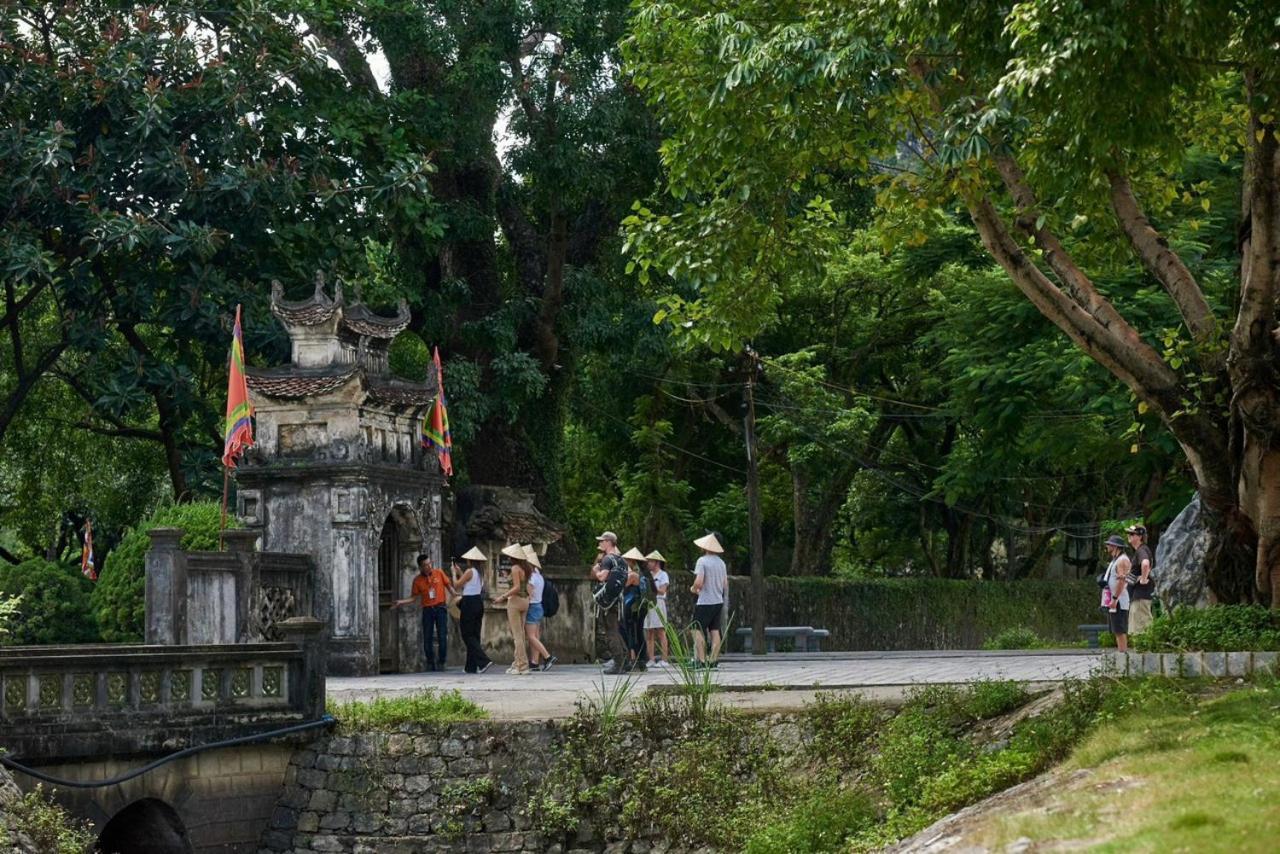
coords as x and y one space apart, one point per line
910 613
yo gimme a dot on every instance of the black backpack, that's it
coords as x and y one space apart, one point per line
550 598
608 593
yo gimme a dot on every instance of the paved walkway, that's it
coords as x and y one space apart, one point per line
766 682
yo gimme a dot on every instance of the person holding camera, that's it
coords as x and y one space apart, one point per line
1115 592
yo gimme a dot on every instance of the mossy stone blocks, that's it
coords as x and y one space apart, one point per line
1265 662
1152 664
1239 663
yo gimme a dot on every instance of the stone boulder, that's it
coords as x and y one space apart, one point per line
1180 559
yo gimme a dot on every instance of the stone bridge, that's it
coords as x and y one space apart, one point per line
87 715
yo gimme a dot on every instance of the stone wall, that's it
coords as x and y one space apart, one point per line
460 787
421 789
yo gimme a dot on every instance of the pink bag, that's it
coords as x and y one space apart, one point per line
1106 598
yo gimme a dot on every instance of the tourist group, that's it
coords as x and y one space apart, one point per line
630 600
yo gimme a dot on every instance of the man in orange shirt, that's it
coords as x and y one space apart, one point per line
430 586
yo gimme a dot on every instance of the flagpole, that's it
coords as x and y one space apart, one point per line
226 478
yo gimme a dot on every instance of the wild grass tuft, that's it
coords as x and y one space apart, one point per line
430 706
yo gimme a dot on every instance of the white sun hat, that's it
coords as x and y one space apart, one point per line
709 543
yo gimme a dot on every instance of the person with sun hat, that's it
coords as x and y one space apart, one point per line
469 579
654 621
710 585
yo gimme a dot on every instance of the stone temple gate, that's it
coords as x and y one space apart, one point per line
337 472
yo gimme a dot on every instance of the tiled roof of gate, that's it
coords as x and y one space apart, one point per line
402 394
296 385
361 320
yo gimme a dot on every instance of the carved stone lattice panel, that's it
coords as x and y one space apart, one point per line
15 693
241 682
117 688
83 690
180 686
272 681
149 687
211 684
50 692
275 605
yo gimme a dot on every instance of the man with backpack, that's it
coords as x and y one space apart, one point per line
610 572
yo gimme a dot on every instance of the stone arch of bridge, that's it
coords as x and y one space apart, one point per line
145 826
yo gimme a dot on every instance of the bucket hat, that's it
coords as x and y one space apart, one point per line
1116 540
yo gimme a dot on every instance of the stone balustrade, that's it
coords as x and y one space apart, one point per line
1214 665
71 702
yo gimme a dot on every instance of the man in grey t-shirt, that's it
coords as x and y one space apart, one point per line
711 584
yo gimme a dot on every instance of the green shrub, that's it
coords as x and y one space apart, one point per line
1018 637
989 699
1222 628
821 822
425 707
118 597
48 826
54 606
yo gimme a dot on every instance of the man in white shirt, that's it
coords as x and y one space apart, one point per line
710 584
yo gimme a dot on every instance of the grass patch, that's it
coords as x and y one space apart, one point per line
381 713
1211 788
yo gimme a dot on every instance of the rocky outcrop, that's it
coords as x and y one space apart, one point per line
11 840
1180 559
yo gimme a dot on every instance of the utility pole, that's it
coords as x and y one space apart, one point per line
753 511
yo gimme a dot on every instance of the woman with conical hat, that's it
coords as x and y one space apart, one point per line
633 608
710 585
517 601
654 629
539 658
468 577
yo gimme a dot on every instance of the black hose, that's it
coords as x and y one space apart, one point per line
327 720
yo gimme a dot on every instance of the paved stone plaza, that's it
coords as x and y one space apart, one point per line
748 681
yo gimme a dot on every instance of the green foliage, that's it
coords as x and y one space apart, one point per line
1220 628
1018 637
821 822
119 601
54 604
842 728
49 827
8 610
382 713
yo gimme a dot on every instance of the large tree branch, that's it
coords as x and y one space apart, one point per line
1251 338
351 60
1161 261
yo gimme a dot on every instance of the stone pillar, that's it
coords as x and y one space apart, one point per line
166 588
242 544
307 687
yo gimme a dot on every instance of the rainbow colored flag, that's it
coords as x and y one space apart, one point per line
239 427
86 553
435 425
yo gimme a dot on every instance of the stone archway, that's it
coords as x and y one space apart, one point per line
147 826
399 541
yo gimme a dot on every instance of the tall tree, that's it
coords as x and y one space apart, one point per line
1062 131
539 148
163 165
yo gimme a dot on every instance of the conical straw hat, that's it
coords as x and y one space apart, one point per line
515 551
633 554
655 555
709 543
475 554
531 556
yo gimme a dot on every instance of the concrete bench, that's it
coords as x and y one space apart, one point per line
1091 632
803 638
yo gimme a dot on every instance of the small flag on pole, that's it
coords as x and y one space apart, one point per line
435 424
86 553
239 427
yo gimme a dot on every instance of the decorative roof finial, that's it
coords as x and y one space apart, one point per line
319 293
